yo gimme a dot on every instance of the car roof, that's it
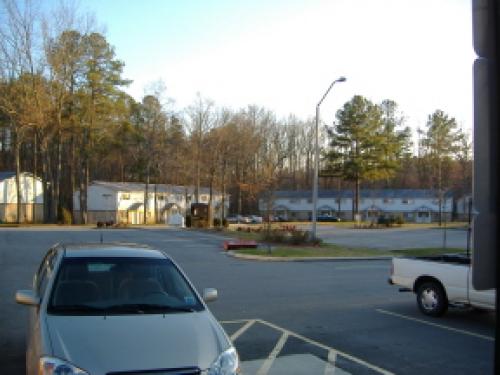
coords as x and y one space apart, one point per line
113 249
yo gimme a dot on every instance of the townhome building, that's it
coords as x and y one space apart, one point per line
412 205
31 198
124 202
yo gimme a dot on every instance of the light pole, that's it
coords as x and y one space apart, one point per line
316 158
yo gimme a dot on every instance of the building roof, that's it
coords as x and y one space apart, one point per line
9 174
6 175
160 188
364 193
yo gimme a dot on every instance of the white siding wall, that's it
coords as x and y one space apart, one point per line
98 199
394 204
8 191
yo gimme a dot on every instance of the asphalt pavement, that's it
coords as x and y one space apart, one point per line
284 318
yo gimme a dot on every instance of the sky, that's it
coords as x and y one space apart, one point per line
283 54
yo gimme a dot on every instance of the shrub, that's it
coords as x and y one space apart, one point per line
381 220
100 224
216 222
287 234
225 223
66 216
188 221
400 220
299 237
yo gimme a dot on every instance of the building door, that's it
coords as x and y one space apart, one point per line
423 217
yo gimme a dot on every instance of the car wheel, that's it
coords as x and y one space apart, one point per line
431 299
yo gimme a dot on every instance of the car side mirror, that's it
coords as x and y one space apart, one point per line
209 294
27 297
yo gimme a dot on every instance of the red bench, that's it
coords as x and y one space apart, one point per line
239 244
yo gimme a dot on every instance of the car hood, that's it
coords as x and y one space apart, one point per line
101 344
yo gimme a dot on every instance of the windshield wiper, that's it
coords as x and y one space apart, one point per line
74 309
142 308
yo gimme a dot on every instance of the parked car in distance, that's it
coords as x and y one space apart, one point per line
119 309
327 218
245 220
256 219
232 219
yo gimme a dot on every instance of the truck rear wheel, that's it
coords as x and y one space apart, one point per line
431 299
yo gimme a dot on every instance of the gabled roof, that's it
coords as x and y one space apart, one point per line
9 174
6 175
160 188
365 193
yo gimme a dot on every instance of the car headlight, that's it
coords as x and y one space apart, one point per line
227 363
55 366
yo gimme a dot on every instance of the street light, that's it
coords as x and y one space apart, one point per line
316 158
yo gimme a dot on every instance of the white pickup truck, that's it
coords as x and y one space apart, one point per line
440 281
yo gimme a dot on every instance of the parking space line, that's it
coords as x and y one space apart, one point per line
330 364
464 332
238 333
237 321
318 344
264 369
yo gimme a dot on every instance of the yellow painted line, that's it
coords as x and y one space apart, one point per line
318 344
462 331
266 366
240 331
330 364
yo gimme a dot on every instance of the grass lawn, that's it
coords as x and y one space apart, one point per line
324 250
330 250
352 224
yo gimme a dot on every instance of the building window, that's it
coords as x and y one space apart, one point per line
295 200
406 201
106 196
125 196
204 198
309 200
387 200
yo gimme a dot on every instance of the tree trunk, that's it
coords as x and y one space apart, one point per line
223 213
440 192
17 158
146 196
210 211
56 182
45 181
155 204
33 206
356 197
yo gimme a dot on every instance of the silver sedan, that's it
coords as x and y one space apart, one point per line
116 309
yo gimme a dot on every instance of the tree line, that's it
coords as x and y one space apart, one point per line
65 116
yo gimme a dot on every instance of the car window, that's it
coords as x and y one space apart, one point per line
116 285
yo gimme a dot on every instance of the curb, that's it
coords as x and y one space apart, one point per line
301 259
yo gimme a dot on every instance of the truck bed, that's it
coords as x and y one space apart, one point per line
445 258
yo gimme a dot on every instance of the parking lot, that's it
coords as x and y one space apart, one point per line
284 317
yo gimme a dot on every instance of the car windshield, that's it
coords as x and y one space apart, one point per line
94 286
